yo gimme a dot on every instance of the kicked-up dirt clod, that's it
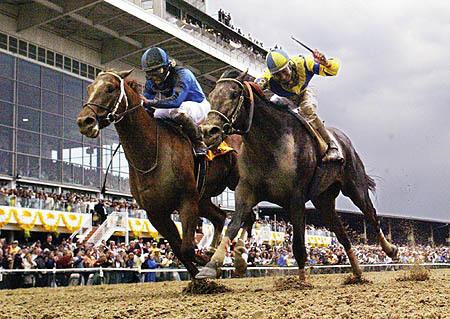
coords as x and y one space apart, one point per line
204 286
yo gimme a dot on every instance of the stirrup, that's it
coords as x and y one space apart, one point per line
200 149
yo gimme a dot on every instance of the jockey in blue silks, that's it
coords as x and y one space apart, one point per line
176 94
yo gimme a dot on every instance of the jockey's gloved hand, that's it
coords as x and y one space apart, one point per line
149 103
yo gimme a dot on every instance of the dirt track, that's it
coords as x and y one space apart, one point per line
255 298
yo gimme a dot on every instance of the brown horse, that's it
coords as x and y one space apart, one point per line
161 163
279 162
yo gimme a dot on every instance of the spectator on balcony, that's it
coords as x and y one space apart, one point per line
99 209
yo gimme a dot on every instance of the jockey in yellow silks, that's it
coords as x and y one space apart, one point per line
288 79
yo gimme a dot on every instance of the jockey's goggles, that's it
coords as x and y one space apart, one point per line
156 73
279 76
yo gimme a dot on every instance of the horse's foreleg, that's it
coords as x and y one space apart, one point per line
189 216
237 220
297 214
240 263
167 228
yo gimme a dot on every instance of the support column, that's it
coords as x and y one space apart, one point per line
432 235
159 8
365 231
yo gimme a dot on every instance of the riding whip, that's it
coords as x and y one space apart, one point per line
107 170
303 45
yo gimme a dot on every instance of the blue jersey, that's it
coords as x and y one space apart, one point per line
179 86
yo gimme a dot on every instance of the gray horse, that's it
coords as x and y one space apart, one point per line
279 162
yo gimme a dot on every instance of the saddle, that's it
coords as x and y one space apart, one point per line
321 144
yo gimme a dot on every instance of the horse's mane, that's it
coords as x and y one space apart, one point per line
234 74
134 85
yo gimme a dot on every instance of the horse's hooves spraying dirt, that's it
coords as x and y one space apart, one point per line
203 287
352 280
416 273
291 282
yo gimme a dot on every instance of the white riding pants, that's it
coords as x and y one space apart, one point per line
196 111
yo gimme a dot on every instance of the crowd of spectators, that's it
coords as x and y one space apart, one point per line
150 254
68 254
67 202
190 24
225 18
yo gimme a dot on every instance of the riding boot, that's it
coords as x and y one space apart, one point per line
193 132
333 154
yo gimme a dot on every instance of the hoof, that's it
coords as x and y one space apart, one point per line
240 266
302 275
208 272
202 259
394 252
211 251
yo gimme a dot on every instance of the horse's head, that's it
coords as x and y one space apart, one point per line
231 109
106 103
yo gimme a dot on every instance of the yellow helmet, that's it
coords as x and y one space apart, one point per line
277 60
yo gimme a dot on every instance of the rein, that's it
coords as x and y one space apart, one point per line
111 117
228 127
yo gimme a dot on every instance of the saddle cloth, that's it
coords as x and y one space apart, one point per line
221 150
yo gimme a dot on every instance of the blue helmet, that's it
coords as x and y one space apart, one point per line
154 58
277 60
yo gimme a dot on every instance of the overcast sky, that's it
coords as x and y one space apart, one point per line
392 93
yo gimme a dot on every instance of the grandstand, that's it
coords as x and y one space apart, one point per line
51 176
51 50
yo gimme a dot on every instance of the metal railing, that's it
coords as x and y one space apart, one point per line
84 229
116 221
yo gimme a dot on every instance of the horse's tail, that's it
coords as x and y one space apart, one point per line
372 184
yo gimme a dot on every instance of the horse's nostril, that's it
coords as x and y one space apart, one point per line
89 121
86 122
214 131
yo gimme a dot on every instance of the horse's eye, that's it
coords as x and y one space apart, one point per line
234 95
110 89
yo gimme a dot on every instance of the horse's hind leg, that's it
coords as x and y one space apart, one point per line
359 195
167 228
217 217
325 203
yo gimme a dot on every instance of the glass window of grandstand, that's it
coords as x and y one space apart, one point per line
147 4
51 161
6 163
39 137
6 113
6 138
72 162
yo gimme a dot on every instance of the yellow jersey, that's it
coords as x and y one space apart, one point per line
303 68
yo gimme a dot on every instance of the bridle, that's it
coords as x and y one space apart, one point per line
111 117
228 127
